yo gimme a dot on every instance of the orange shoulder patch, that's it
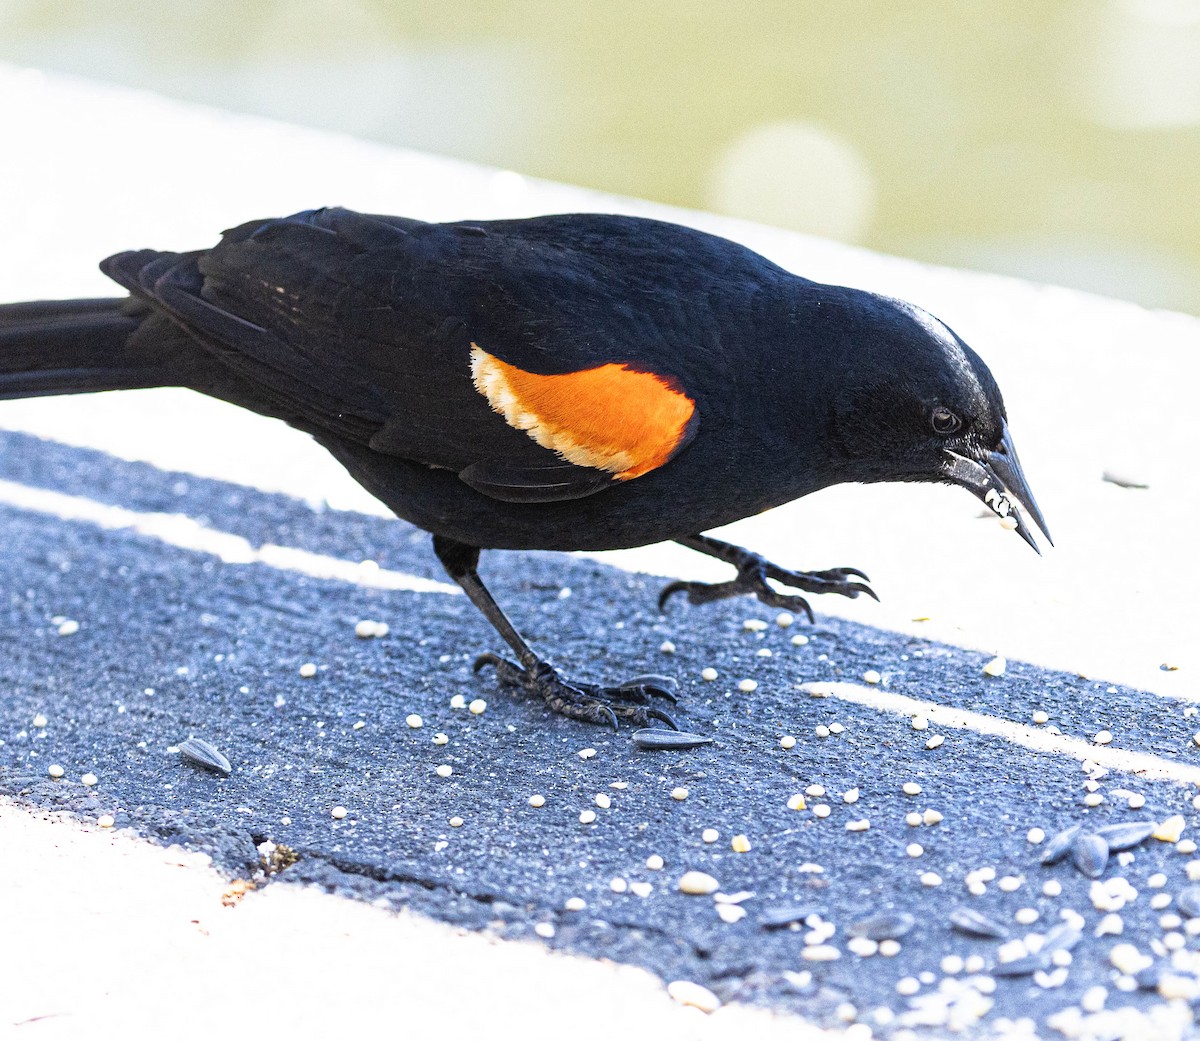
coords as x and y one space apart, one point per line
609 418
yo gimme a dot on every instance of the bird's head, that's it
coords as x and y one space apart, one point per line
920 405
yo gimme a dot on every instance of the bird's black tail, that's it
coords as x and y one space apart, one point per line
72 347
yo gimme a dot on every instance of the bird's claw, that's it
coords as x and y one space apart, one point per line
588 702
753 575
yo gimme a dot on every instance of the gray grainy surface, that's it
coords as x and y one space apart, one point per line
220 646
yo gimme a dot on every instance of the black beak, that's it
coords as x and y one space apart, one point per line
997 478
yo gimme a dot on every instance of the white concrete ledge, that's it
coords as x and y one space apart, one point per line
1091 384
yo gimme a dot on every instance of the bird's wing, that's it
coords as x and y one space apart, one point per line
540 361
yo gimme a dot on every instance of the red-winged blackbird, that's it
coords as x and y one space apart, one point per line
576 382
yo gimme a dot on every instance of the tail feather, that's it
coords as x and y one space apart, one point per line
72 347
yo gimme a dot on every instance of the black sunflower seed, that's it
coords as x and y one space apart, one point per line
887 925
1188 901
779 915
1126 836
1062 937
1060 845
1089 853
1026 966
199 752
971 922
661 739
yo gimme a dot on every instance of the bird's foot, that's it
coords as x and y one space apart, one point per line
589 702
752 577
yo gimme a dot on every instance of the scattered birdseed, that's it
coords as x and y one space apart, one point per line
359 724
821 952
911 788
679 794
654 862
545 930
574 903
89 780
54 770
618 885
859 825
1188 901
871 676
443 769
587 817
68 627
836 728
1008 883
730 913
477 707
821 810
1060 845
973 923
740 844
1041 717
105 820
458 701
764 652
889 948
308 670
935 742
914 849
747 685
850 796
1157 880
920 723
887 925
787 741
40 721
821 730
754 625
1126 958
198 752
338 812
799 640
1035 836
1110 925
603 801
441 739
784 619
1026 916
1103 737
1185 846
815 790
587 753
1025 965
932 817
537 801
642 889
709 835
414 721
1159 901
684 992
996 666
708 674
1089 854
931 879
1093 799
796 802
660 739
913 820
1052 887
667 647
907 986
697 883
1136 801
1170 829
862 946
1126 836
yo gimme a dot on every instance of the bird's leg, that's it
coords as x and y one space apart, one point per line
752 574
589 702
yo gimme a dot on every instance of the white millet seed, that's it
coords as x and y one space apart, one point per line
358 725
1010 883
815 790
836 728
850 796
308 670
1103 737
1052 888
587 817
889 948
911 788
708 674
537 801
871 676
952 965
913 819
618 885
667 647
441 739
68 628
787 741
859 825
1035 836
754 625
1136 801
914 849
821 730
799 640
54 770
931 878
679 794
1156 881
443 769
574 903
1026 916
89 780
920 723
996 666
1093 799
730 913
603 801
697 883
747 686
587 753
709 835
784 619
414 721
338 812
545 930
458 701
1041 717
932 817
907 986
477 707
1185 846
106 820
765 652
364 629
821 810
654 862
935 742
40 721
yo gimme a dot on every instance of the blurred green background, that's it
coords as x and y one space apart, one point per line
1054 139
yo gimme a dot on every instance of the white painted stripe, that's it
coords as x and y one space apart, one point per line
1037 738
183 532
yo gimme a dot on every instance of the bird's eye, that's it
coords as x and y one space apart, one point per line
944 421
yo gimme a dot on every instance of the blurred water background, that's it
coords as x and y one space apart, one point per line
1054 139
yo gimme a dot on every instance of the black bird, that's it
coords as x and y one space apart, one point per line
577 382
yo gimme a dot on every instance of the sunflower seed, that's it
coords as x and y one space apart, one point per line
971 922
1026 966
200 753
1188 901
1062 937
1089 853
779 915
888 925
1060 845
1126 836
660 739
